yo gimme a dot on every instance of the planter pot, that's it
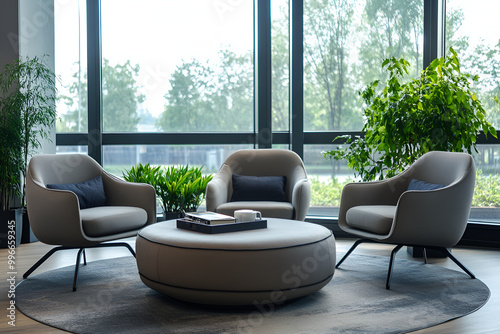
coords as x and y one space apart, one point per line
27 235
172 215
417 252
8 225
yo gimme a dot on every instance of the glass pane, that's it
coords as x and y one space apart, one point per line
60 149
118 158
280 44
70 30
472 30
327 177
486 200
345 43
177 66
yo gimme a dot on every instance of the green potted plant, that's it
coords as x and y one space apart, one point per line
10 172
180 189
403 120
27 93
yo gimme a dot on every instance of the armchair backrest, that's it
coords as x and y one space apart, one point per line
54 215
267 162
63 168
441 167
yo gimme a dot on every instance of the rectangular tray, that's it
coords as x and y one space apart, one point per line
221 228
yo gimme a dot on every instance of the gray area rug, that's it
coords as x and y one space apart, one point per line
112 299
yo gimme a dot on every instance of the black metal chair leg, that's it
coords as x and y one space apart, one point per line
81 251
42 260
129 248
356 244
391 264
84 257
454 259
77 266
425 255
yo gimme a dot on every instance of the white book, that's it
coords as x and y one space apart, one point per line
210 218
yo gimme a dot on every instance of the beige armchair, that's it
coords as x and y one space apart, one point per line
274 163
57 217
390 212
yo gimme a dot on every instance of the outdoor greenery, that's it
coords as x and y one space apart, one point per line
486 194
179 188
435 112
28 94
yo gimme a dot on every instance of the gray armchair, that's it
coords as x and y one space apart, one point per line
57 217
433 215
260 163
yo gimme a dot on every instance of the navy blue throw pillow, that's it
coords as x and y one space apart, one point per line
421 185
258 188
90 193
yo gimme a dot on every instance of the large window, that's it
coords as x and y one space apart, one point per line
189 82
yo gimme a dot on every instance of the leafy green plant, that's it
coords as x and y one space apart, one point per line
143 174
435 112
28 93
10 154
180 188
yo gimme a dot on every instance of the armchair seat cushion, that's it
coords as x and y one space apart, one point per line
108 220
371 218
267 209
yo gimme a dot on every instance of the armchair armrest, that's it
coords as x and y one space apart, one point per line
386 192
301 198
434 217
218 188
123 193
54 215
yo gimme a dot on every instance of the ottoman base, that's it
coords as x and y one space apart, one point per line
276 297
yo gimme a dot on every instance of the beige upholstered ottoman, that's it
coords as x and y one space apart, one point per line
286 260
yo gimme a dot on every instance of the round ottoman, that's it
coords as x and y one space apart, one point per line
286 260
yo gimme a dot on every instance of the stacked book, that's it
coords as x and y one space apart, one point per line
212 223
208 218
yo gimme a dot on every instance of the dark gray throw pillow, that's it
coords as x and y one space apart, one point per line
258 188
90 193
422 185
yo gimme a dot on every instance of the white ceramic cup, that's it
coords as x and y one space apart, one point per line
247 216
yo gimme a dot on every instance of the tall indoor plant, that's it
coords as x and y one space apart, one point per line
28 109
404 120
180 189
